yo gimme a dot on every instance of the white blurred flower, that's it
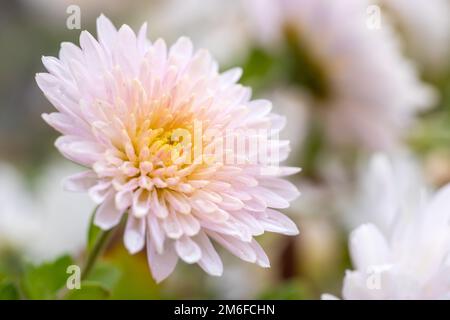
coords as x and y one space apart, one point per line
18 225
214 24
425 25
45 223
367 93
386 186
407 256
63 216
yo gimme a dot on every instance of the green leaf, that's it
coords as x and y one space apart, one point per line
45 280
105 274
89 290
8 290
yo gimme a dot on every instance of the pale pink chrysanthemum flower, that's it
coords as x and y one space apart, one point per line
120 101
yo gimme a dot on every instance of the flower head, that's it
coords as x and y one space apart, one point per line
154 126
407 256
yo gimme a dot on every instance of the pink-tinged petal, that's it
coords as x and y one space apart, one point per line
143 42
242 250
51 88
250 221
161 265
281 187
181 52
204 205
100 191
80 182
69 51
172 226
134 236
271 199
258 109
156 233
141 203
55 67
93 52
210 260
277 171
124 199
261 258
255 205
158 206
82 152
107 215
65 124
216 216
230 203
274 221
230 77
189 224
188 250
106 32
178 202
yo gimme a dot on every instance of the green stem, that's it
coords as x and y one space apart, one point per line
95 253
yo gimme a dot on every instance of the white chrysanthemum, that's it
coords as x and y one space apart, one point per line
213 24
405 257
425 25
366 91
44 223
386 186
122 103
62 217
17 225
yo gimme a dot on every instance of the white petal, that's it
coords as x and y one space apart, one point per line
107 215
156 233
106 32
134 236
82 152
178 202
189 224
100 191
274 221
368 247
161 265
271 199
262 259
158 206
124 199
281 187
80 182
210 260
172 226
181 51
230 77
237 247
141 203
188 250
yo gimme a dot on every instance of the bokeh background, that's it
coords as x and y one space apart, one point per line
39 221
